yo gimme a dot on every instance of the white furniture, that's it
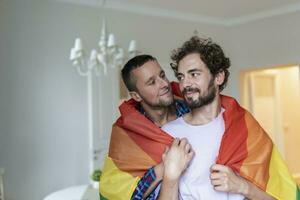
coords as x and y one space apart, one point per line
82 192
1 184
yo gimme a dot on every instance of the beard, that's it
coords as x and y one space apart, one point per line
203 99
161 103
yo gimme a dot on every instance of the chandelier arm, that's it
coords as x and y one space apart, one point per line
103 63
80 71
80 67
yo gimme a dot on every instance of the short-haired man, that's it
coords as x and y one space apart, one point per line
137 142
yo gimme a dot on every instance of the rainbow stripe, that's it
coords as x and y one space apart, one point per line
137 144
248 150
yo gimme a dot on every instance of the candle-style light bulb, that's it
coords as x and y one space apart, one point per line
78 44
111 41
73 54
132 46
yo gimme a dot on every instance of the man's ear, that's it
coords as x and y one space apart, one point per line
219 79
135 96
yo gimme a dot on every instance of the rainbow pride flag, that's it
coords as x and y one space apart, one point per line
137 144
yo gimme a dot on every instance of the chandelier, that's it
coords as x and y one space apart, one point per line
108 56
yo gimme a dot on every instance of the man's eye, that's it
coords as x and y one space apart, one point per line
195 74
179 78
152 82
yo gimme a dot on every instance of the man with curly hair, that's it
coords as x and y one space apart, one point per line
233 154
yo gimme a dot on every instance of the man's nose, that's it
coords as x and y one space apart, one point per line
164 82
186 82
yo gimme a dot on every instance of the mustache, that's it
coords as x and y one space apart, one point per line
189 89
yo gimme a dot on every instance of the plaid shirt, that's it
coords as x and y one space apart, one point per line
181 109
150 176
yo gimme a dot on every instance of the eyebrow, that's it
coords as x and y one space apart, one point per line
190 71
152 77
194 70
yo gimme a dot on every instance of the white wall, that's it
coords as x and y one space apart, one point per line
266 43
4 87
43 101
44 135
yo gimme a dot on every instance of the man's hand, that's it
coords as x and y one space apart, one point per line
225 180
176 158
175 161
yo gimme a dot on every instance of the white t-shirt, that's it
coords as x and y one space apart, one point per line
205 140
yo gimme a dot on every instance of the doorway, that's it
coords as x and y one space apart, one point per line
272 95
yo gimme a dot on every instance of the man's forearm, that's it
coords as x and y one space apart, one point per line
158 170
168 190
151 188
148 183
252 192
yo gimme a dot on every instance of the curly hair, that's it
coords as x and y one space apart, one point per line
210 53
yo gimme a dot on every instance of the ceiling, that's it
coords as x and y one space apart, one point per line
221 12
